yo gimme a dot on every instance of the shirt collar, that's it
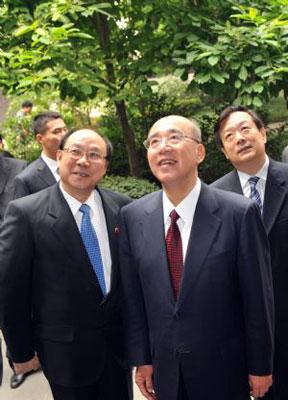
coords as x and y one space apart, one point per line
262 173
52 164
186 208
75 204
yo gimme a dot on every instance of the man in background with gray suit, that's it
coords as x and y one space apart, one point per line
49 129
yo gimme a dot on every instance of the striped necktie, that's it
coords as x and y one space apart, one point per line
254 194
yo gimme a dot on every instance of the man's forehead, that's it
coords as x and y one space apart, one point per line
86 136
235 119
53 123
168 126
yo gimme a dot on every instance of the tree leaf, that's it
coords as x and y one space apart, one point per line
213 60
243 73
25 29
217 77
237 84
257 102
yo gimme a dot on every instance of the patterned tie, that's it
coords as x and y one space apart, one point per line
254 194
91 244
174 253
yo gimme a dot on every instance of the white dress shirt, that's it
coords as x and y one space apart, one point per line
52 165
99 224
261 184
186 211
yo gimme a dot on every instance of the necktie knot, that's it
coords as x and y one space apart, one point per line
174 216
85 209
253 181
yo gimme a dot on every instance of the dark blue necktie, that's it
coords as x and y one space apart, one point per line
91 243
254 194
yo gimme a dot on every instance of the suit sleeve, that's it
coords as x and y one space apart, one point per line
16 254
134 315
255 280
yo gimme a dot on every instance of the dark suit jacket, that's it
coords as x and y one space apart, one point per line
221 328
50 298
1 364
9 168
275 218
37 176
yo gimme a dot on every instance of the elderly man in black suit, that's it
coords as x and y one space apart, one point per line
241 135
49 129
198 301
65 272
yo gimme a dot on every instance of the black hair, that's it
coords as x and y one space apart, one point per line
27 103
41 120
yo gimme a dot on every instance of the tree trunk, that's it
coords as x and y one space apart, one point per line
129 139
101 23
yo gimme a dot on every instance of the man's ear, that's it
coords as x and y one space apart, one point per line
224 152
264 134
200 152
59 155
39 137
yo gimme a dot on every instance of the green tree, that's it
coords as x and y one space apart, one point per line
112 51
86 50
238 53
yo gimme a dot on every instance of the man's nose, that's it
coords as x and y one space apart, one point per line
239 136
83 159
164 143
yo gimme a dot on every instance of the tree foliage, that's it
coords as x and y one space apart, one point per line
241 55
113 50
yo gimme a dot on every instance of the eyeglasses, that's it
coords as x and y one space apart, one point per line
173 139
92 156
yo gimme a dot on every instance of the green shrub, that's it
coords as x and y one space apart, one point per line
275 110
133 187
277 140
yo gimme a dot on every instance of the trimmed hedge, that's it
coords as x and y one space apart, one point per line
132 187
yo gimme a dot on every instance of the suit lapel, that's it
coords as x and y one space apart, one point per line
44 173
153 234
275 193
111 211
203 232
233 183
65 229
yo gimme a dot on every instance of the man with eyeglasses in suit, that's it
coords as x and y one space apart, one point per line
65 271
198 311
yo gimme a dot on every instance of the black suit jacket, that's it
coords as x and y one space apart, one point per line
221 328
37 176
50 298
275 218
1 364
9 168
